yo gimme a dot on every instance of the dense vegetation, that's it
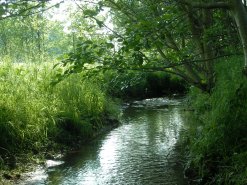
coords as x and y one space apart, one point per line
35 115
139 85
59 79
216 141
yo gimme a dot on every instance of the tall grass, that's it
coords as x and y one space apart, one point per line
33 113
218 150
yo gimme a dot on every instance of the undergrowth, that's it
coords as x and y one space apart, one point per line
34 114
217 141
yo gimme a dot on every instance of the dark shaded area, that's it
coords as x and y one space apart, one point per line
149 85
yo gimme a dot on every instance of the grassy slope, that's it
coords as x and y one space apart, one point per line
218 142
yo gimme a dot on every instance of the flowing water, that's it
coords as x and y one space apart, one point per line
141 151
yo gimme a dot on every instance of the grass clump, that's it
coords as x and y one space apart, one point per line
34 115
218 145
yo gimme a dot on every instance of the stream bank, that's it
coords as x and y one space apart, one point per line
24 163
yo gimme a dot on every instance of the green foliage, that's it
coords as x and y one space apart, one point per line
218 146
23 107
162 34
10 8
118 83
33 39
150 36
82 104
125 73
34 114
130 84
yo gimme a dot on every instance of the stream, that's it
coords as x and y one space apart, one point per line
141 151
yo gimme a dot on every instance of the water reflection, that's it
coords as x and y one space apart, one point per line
140 151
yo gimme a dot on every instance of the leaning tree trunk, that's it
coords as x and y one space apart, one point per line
240 15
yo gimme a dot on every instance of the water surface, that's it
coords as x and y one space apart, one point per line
140 151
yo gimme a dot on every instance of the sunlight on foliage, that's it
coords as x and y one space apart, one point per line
32 111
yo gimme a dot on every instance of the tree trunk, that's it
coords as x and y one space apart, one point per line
200 21
208 48
240 15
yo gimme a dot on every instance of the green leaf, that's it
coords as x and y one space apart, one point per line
90 13
110 45
100 23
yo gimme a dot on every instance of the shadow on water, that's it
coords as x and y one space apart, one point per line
140 151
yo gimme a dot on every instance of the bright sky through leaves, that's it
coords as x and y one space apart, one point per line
62 12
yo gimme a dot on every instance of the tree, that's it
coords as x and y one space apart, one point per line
200 20
31 36
168 36
238 10
180 37
15 8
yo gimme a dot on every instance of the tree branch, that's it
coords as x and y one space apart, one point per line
97 20
31 13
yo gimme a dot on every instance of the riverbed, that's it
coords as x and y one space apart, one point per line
142 150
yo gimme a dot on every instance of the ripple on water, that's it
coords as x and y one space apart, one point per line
140 151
